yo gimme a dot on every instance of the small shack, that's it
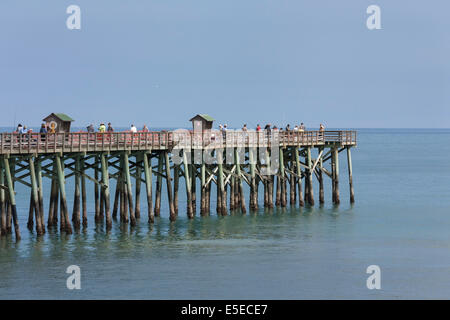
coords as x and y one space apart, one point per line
202 122
59 121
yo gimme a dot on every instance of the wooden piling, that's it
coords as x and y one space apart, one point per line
35 193
350 175
40 191
172 216
96 190
188 184
83 194
299 174
53 195
12 197
283 178
2 203
159 185
105 189
129 189
309 177
176 185
62 190
137 207
320 178
221 186
239 182
336 175
76 197
253 186
148 187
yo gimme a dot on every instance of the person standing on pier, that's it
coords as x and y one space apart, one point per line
321 131
90 128
110 128
258 127
102 128
145 128
302 127
133 128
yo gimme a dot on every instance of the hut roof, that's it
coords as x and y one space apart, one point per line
204 116
61 116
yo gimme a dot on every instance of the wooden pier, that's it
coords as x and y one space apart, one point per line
229 160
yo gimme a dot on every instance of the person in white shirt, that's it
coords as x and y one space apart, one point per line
133 128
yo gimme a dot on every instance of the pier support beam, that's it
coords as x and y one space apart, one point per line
35 192
309 177
2 203
253 190
320 178
148 187
172 217
335 175
12 197
76 200
83 194
137 207
350 175
240 186
129 189
66 226
159 185
299 174
188 184
105 190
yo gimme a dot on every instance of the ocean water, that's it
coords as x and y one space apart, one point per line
400 222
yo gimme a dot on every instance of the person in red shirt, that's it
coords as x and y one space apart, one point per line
258 128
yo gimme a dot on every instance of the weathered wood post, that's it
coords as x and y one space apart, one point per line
96 190
53 201
336 175
137 207
292 179
34 188
188 185
173 216
2 203
283 178
129 188
194 186
320 178
62 190
105 189
309 177
12 197
116 198
240 184
77 193
350 175
253 190
176 186
159 185
299 174
221 186
148 187
83 194
30 222
203 188
40 192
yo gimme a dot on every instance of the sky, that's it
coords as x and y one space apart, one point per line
161 62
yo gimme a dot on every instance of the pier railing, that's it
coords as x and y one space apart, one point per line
15 143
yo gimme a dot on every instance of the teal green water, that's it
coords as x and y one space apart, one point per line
400 221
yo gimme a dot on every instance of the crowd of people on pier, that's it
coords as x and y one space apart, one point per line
269 128
102 128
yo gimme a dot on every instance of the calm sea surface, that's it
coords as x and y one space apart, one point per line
400 222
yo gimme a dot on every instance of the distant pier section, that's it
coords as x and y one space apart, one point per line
284 163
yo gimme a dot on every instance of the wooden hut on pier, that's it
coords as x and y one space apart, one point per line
60 121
